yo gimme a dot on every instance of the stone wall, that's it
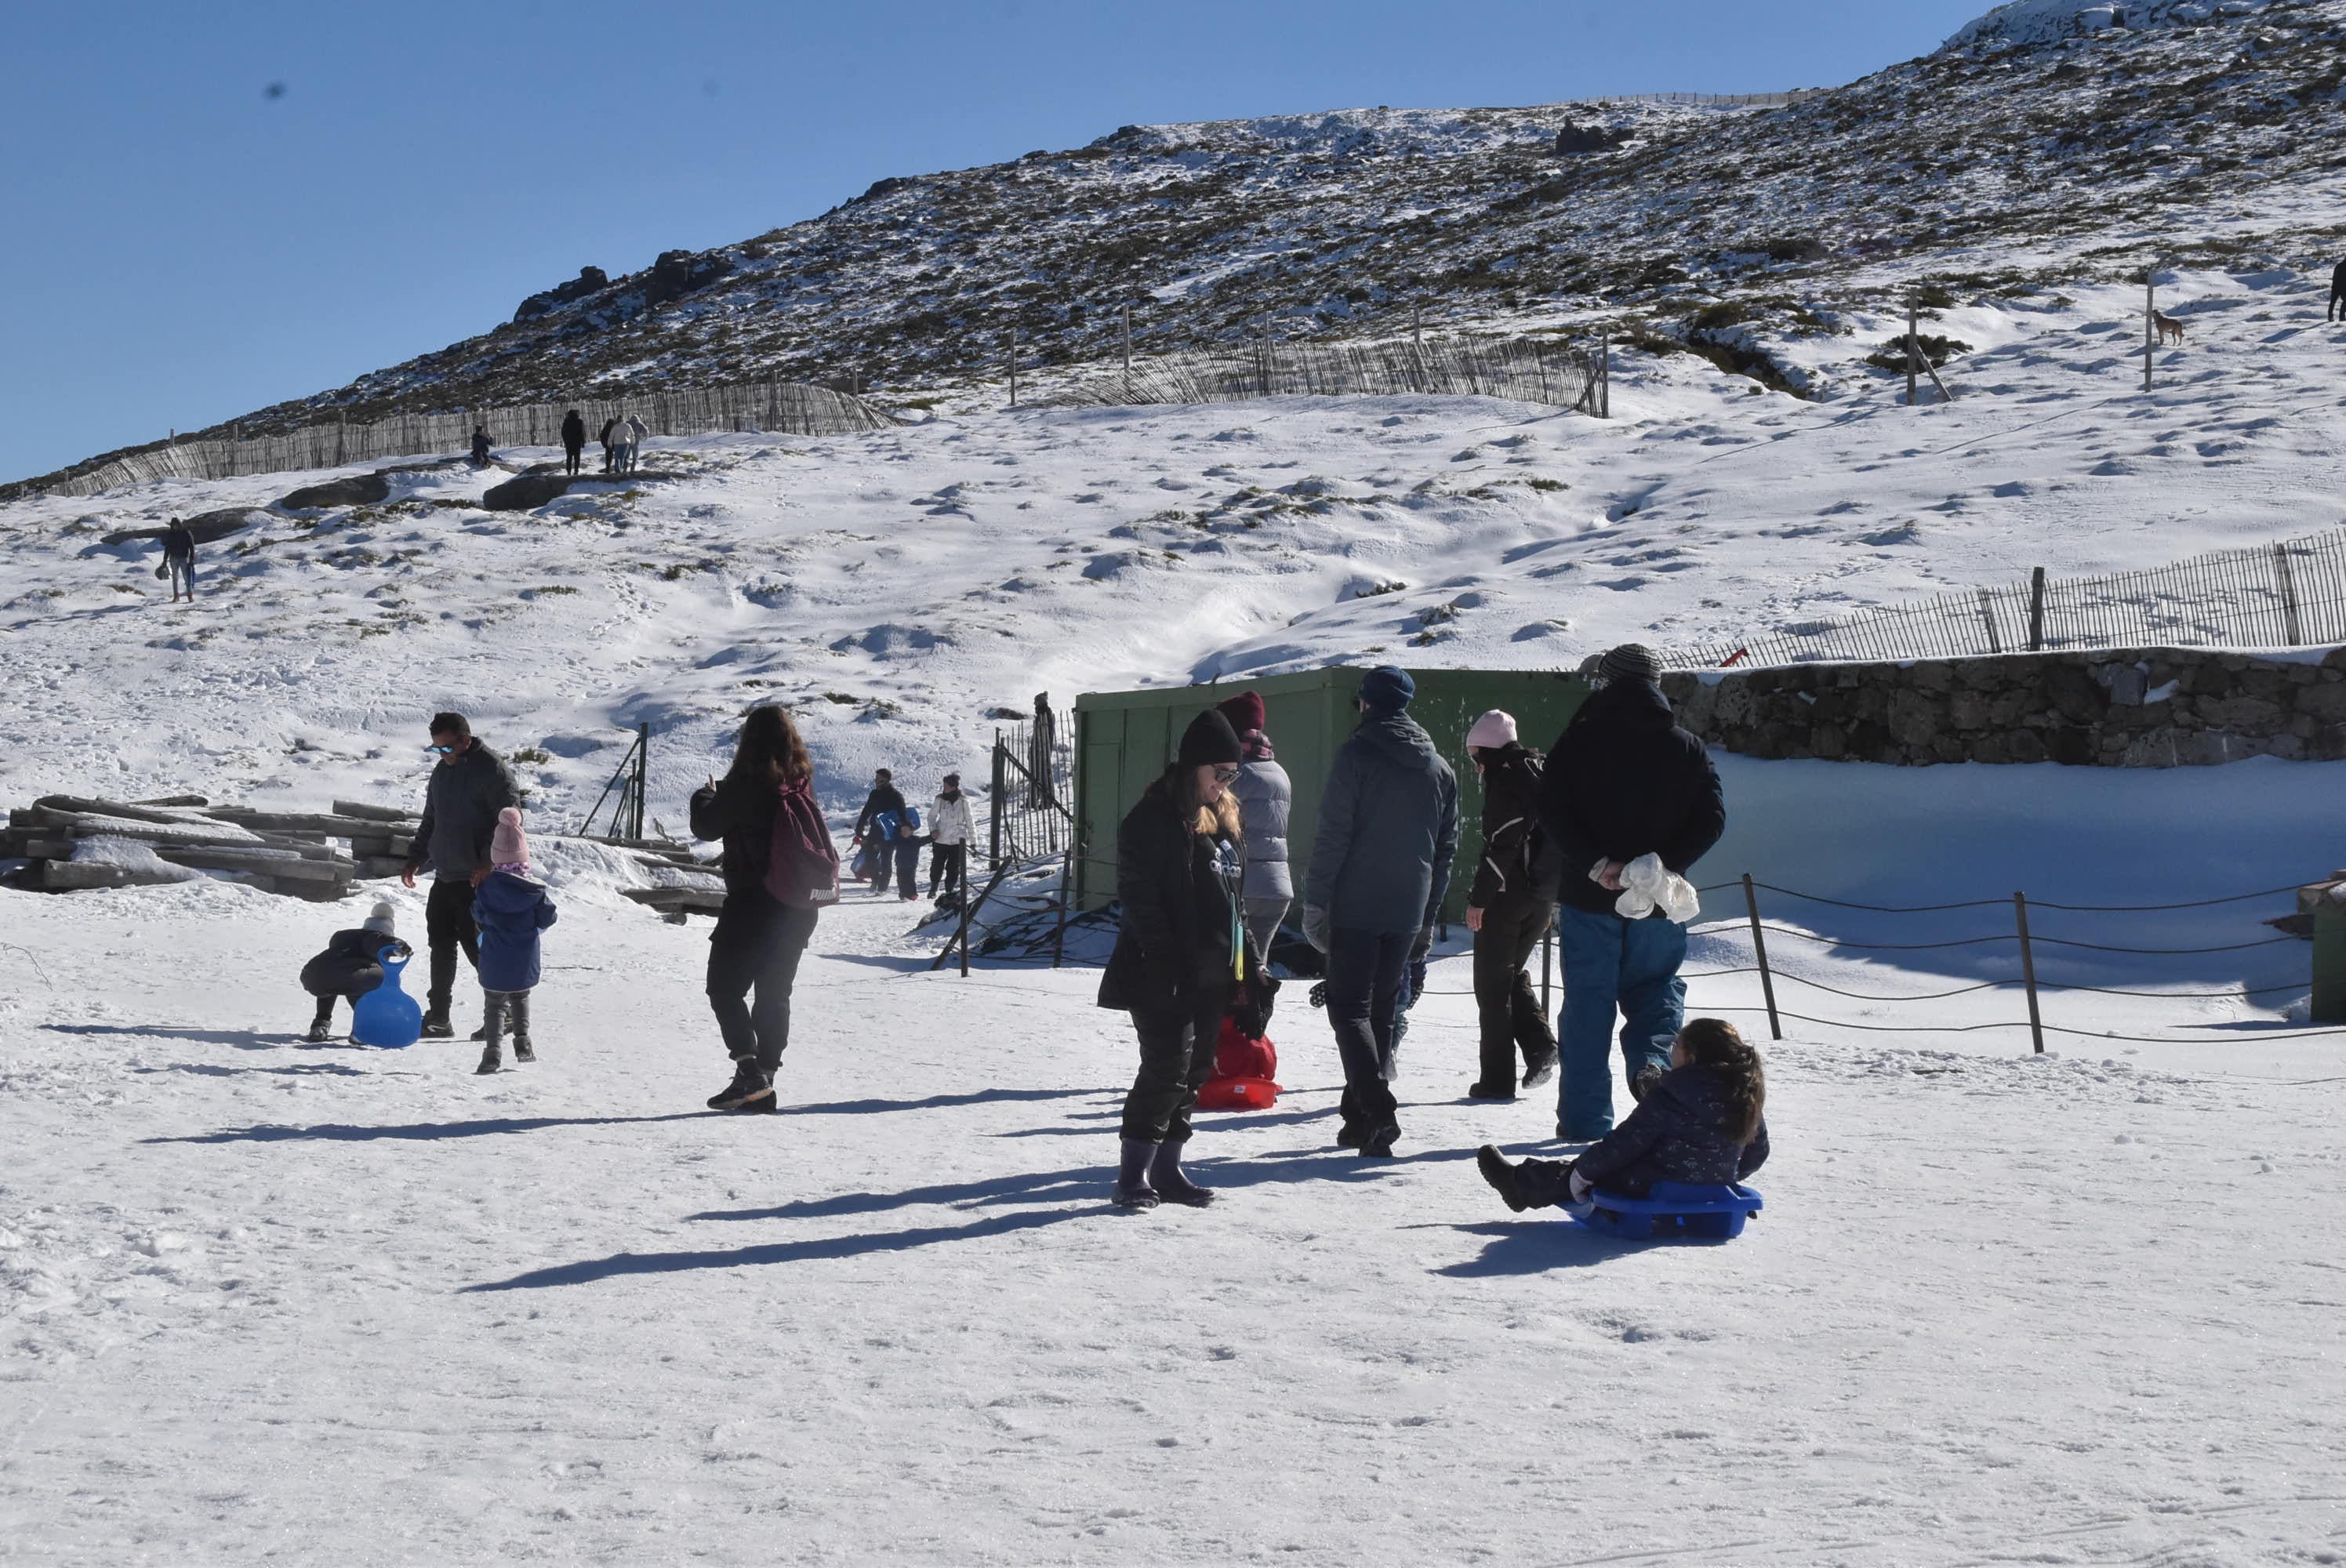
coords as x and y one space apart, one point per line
2146 708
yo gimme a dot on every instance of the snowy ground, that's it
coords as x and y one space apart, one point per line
268 1302
260 1300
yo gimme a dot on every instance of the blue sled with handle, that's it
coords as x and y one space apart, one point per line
387 1017
1673 1211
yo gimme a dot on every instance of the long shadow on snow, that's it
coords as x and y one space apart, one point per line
1536 1247
299 1069
935 1102
422 1132
242 1039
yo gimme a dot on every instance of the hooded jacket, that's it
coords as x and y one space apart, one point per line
1174 920
510 911
1266 797
461 803
351 964
950 822
574 431
1517 867
1677 1133
1388 831
1624 780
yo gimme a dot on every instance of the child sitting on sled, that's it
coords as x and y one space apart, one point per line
1702 1122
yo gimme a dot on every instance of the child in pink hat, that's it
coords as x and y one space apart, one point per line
511 906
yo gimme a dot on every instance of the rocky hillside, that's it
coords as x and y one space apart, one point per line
2045 144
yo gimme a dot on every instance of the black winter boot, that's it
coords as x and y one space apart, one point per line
1172 1184
435 1024
749 1087
523 1051
1132 1189
1501 1175
320 1033
1491 1092
1539 1066
492 1059
1647 1076
1377 1142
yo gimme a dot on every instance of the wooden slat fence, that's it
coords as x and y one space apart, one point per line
1523 370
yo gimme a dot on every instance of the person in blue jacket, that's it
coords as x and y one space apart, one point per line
1704 1121
1380 868
511 906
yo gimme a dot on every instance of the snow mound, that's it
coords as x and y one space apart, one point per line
2050 21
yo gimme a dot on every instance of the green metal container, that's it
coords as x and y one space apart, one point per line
1125 739
2330 961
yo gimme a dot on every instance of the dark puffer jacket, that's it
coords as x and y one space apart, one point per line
1623 781
351 966
1388 831
461 803
1174 925
510 911
1677 1133
1518 867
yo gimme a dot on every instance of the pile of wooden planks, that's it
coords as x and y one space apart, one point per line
687 886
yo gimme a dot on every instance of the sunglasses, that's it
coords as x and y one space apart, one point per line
440 750
1225 773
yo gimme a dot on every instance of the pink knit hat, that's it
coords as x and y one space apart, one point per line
1493 729
507 847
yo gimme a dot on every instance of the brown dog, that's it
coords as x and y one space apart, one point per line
2169 327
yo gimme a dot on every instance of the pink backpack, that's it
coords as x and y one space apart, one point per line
802 867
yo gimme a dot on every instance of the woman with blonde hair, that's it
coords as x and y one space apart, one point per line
1180 856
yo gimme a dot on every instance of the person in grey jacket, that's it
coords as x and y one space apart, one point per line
1379 869
1265 797
467 790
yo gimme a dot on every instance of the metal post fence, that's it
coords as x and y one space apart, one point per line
2028 971
1759 947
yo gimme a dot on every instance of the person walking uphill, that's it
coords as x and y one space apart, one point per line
891 828
1379 869
2336 310
1623 783
779 870
574 441
1179 950
180 560
510 907
1266 797
467 790
951 829
1509 909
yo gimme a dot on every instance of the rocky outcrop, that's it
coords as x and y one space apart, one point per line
676 273
1577 140
590 281
354 490
2151 707
206 526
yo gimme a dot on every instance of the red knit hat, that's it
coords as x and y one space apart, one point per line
1244 711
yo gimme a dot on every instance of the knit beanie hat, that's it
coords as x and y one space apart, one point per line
379 919
1387 690
1209 741
507 847
1493 729
1631 661
1244 711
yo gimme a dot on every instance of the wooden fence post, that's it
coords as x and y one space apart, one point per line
1760 946
1913 345
1014 367
2036 609
2028 972
2286 580
2149 320
1128 352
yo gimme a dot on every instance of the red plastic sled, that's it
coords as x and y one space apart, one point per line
1244 1069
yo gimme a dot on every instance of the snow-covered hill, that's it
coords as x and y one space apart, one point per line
2032 150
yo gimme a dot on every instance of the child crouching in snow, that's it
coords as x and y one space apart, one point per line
511 908
1702 1121
351 966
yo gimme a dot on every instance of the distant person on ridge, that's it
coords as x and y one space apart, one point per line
180 560
951 829
1622 782
1379 869
2336 310
1265 796
610 453
467 790
886 801
480 446
1511 907
574 441
637 431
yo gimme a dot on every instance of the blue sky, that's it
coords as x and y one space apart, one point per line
183 246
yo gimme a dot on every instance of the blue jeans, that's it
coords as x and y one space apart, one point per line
1610 964
1367 973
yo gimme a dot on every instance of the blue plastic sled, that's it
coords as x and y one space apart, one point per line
387 1017
1677 1211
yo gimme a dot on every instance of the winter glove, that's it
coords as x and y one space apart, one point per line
1648 885
1315 926
1581 1185
1419 949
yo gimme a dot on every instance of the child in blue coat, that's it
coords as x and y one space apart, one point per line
511 908
1703 1122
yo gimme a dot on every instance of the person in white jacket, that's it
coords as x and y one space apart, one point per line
636 430
1265 795
950 829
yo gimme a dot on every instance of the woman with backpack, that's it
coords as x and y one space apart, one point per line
1180 860
780 870
1508 910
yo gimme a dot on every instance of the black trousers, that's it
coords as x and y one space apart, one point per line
2337 297
1176 1057
1509 1008
570 458
948 864
756 952
448 927
1367 972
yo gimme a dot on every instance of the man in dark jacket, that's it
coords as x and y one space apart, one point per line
1379 869
2336 310
1623 781
1510 908
467 790
574 441
180 558
892 857
609 426
480 446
